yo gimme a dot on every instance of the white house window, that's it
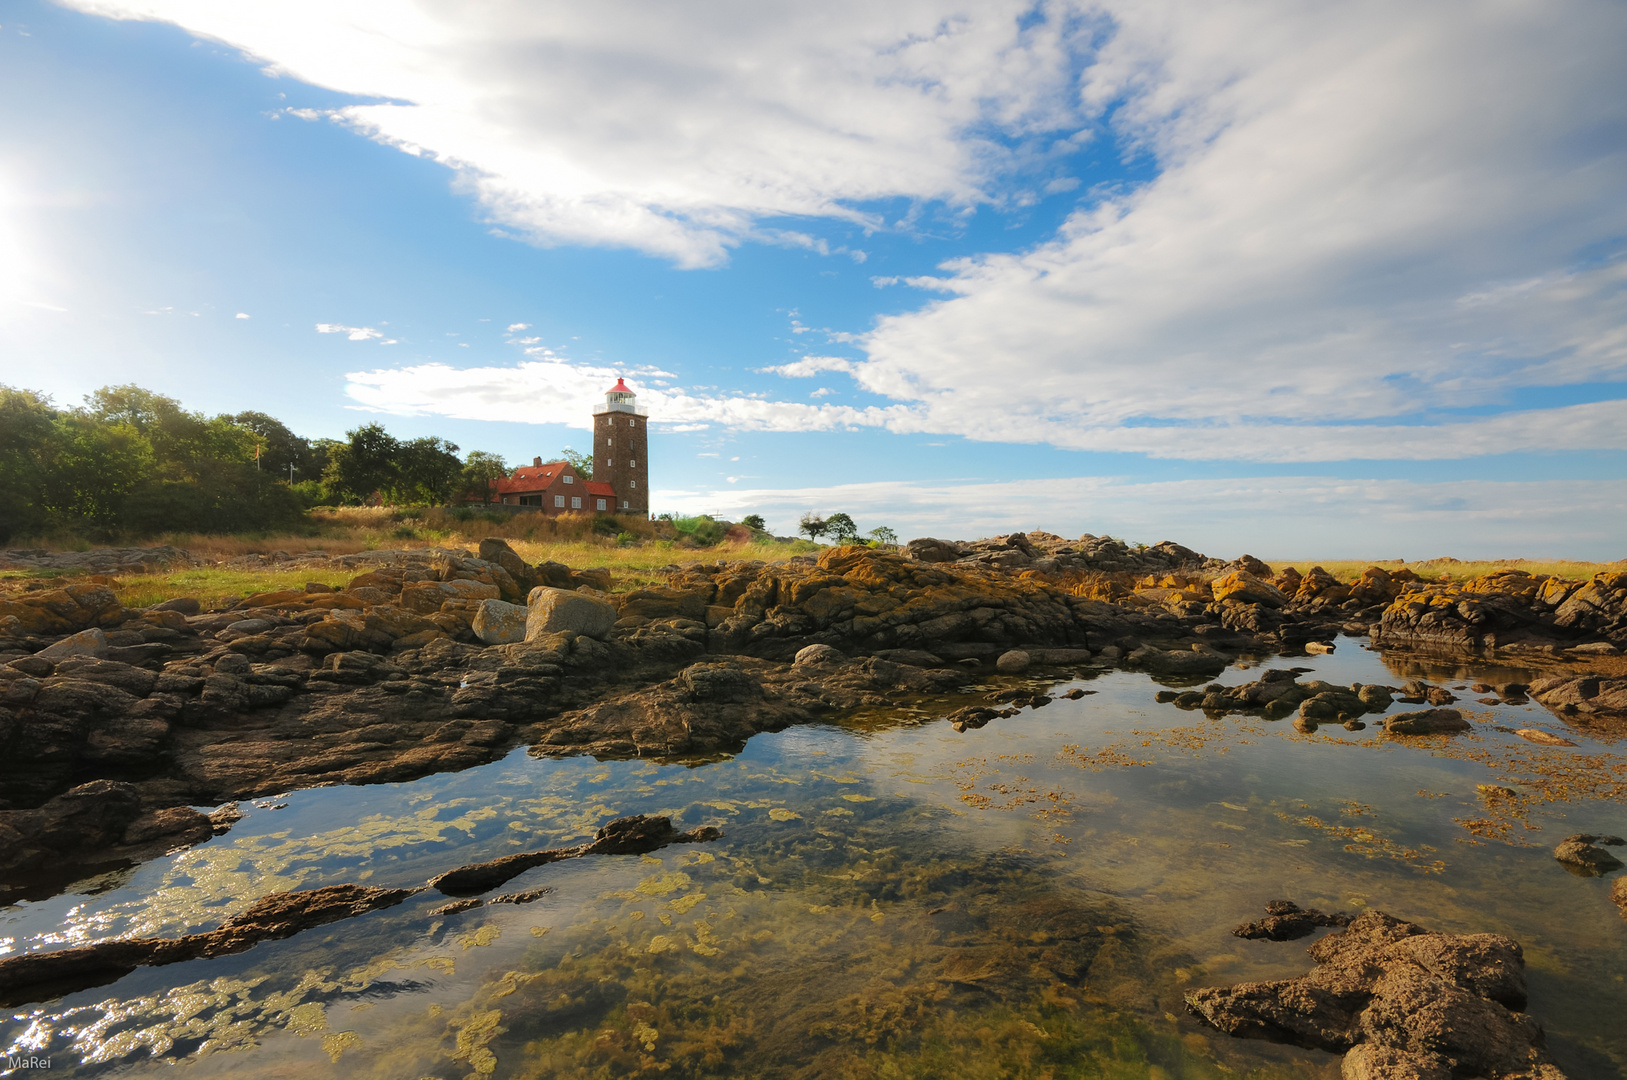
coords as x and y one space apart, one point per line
576 502
624 504
601 504
570 479
559 500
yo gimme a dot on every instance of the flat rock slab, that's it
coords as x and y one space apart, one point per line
1426 722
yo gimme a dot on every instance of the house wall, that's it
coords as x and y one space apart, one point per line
547 499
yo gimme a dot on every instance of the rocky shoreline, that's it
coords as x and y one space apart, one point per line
116 722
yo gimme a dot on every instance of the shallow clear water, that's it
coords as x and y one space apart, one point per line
889 899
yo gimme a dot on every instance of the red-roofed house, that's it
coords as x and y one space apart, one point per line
619 443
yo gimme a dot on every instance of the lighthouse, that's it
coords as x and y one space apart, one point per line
620 449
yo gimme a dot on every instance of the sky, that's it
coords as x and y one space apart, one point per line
1306 280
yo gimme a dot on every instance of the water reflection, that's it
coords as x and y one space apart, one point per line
890 898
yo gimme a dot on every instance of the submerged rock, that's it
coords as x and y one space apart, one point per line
1581 856
36 976
624 836
1400 1002
1285 920
1426 722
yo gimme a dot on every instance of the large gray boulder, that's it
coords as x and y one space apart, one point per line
90 642
928 549
555 610
497 622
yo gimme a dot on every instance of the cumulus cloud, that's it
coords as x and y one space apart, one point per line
242 315
1363 211
1361 216
678 129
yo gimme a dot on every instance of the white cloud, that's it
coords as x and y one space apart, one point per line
515 328
554 390
354 333
241 315
810 366
1308 517
1364 211
678 129
1361 212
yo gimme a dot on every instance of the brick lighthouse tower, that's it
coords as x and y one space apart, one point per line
620 446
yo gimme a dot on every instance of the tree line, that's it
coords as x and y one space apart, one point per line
133 462
841 528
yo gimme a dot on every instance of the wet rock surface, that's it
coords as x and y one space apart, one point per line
37 976
411 668
1399 1002
1285 921
1583 854
624 836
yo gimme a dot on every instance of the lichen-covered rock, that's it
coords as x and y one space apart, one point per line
1242 587
553 611
498 622
92 642
1400 1001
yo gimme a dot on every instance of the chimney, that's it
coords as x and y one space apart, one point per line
536 461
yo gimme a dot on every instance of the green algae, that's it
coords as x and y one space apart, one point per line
861 916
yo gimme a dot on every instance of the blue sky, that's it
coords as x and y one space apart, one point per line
1255 276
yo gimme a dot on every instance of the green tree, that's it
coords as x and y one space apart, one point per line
881 534
814 525
842 528
279 447
755 521
479 470
363 465
427 472
28 429
179 439
582 463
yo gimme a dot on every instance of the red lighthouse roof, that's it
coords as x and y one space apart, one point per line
621 387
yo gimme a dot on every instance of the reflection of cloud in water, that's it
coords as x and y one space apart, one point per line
884 896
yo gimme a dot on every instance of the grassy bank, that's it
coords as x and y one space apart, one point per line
632 548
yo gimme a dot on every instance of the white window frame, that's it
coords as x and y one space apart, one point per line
569 479
559 501
632 483
601 504
576 502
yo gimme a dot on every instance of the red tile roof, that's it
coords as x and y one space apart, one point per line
530 477
599 487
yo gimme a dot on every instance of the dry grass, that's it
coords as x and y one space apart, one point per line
569 539
1454 570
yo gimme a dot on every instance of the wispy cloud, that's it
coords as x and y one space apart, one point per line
681 131
354 333
1374 519
1360 218
242 315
